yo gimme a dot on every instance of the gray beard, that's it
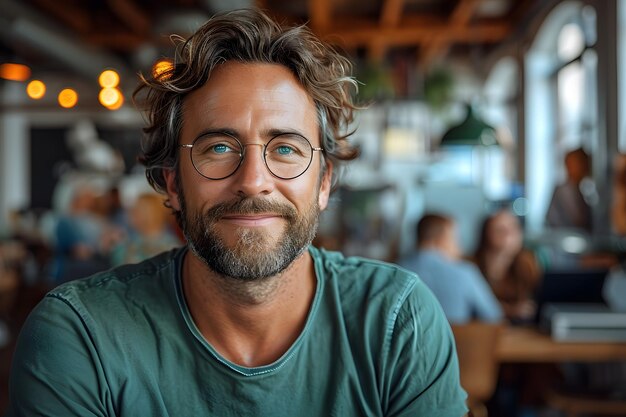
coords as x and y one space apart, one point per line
253 257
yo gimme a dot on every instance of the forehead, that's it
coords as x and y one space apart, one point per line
249 94
504 219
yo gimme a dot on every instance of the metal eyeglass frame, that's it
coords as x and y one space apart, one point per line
242 155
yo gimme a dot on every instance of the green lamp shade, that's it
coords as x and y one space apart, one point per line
470 132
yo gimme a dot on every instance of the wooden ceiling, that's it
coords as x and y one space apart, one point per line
431 30
432 27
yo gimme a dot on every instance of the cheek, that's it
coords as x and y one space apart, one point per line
196 191
201 195
301 194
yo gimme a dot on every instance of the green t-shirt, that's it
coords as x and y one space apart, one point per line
123 343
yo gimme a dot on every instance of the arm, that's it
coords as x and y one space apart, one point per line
421 375
56 369
484 302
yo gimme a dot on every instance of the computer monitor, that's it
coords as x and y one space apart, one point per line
571 286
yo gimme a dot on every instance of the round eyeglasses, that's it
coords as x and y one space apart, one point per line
218 155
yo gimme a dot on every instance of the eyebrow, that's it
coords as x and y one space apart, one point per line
224 131
268 134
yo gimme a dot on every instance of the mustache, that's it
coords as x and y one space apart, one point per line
249 206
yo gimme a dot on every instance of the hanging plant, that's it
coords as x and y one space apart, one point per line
438 88
376 83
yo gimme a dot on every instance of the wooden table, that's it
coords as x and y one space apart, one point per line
525 344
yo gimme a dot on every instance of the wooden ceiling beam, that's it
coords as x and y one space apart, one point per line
464 11
376 51
320 13
131 14
389 17
407 35
391 13
460 18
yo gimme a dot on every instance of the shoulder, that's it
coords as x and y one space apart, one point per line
469 269
101 314
420 258
124 285
368 285
367 274
84 334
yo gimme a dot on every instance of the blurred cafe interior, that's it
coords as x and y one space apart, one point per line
471 107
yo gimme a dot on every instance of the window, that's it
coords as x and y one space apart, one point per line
561 110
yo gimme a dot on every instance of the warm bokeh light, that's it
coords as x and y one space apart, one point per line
36 89
110 98
14 72
109 79
68 98
117 104
162 68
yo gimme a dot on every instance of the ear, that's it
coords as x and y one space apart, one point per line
171 188
325 185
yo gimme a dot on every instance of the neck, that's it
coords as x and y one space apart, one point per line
251 323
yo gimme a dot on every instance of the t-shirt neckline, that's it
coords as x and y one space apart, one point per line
244 370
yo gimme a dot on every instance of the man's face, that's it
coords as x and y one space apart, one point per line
250 225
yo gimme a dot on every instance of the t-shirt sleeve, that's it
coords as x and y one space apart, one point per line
422 378
56 371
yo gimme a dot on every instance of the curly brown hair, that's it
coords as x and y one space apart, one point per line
246 35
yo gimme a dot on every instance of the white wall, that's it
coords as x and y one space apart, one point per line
14 159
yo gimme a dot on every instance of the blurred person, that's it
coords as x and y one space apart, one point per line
149 231
77 238
569 206
113 218
514 274
511 270
245 135
458 285
110 208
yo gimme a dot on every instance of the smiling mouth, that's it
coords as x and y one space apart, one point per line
252 220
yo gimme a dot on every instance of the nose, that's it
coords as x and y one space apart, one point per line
253 177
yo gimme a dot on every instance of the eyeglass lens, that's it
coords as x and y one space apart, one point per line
218 155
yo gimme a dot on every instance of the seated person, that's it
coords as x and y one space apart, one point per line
248 319
77 238
569 207
512 271
458 285
151 235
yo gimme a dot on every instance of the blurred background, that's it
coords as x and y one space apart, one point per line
473 106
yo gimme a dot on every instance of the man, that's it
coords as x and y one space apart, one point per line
250 320
458 285
569 206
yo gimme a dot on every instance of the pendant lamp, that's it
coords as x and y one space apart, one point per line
470 132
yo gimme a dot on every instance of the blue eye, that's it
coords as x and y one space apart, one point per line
220 148
284 150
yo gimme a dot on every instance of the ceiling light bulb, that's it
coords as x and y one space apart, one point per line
109 79
36 89
68 98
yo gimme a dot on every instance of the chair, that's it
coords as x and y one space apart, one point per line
476 344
